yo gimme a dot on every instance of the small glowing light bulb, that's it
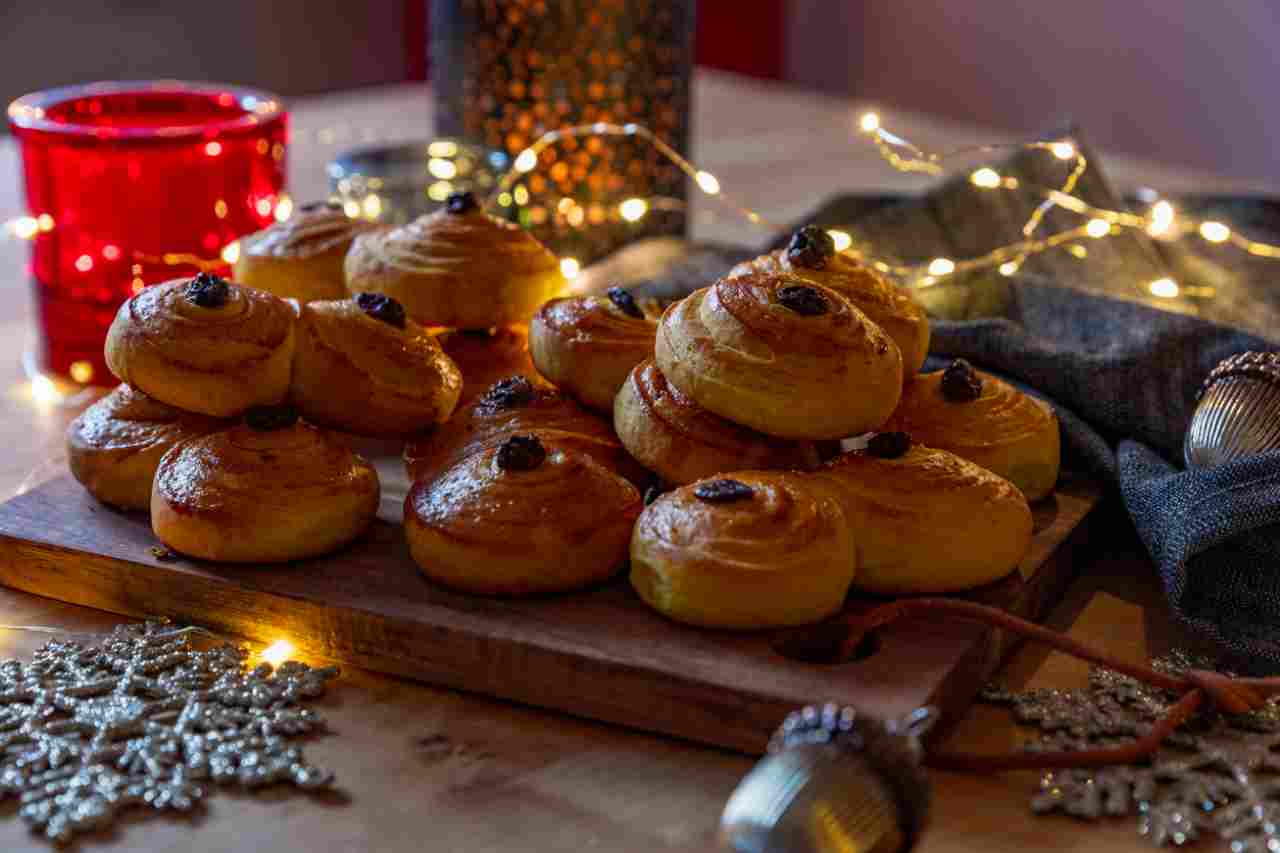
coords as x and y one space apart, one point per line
45 222
442 148
25 227
278 652
1165 287
1009 268
1098 228
526 161
569 267
708 183
870 122
986 178
841 239
1214 232
43 390
284 208
81 371
1161 218
372 206
213 149
351 208
231 252
447 170
1063 150
633 209
84 263
941 266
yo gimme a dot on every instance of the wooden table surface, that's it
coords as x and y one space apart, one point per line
513 777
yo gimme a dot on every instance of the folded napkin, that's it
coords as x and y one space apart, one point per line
1123 378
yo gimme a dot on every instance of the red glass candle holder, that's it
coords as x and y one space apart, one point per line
129 184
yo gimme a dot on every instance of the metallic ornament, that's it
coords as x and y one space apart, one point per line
143 720
1217 775
1238 413
833 780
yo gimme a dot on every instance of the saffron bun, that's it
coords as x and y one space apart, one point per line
758 549
587 345
986 421
519 406
457 267
270 489
671 435
115 445
205 345
301 258
782 355
521 518
927 521
812 256
362 367
487 355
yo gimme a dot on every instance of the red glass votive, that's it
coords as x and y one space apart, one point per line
134 183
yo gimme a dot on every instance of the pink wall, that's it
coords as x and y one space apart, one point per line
1188 81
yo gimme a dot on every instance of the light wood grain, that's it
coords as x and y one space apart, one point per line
520 778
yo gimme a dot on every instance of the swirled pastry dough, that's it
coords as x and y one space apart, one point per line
301 258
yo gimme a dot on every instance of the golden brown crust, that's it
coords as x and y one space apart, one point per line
587 345
244 495
485 356
483 424
736 350
681 442
214 361
115 445
359 374
929 521
561 526
1005 431
887 305
302 257
783 556
465 270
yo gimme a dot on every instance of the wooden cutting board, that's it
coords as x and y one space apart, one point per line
600 654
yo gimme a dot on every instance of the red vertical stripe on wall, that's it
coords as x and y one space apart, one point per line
746 36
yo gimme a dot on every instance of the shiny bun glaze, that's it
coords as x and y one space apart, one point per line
215 361
115 445
302 257
885 304
359 374
736 350
1003 430
248 495
464 270
480 528
783 556
681 442
587 345
488 355
928 521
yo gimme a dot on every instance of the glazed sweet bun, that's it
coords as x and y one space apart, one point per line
457 267
487 355
781 355
985 420
204 345
587 345
812 255
925 520
270 489
519 406
758 549
361 366
521 518
681 442
301 258
115 445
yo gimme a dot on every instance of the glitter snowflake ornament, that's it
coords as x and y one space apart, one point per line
1218 775
145 719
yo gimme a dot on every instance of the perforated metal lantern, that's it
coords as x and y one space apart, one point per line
507 71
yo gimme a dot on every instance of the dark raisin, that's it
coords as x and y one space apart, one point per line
803 300
889 445
208 291
625 302
811 247
381 307
722 491
313 206
521 453
960 382
268 418
509 393
459 203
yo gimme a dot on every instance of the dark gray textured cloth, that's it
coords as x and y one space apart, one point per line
1123 378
